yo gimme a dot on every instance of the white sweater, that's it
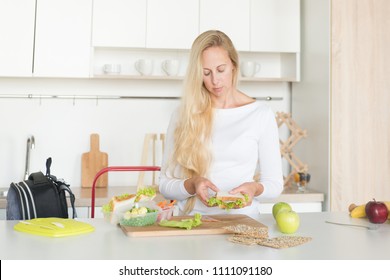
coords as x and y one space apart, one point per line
242 137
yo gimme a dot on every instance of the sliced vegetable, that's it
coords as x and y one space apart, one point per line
185 223
149 192
214 201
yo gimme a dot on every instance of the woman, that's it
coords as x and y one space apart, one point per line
220 138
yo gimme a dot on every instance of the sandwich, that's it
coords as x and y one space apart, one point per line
124 202
225 200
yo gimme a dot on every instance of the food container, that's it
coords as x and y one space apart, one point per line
165 214
140 219
110 217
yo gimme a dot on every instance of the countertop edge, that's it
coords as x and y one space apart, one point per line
103 195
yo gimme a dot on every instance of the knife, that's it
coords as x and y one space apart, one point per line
370 227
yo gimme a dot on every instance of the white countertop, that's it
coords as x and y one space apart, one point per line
109 242
103 195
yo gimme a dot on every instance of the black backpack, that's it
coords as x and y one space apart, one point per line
41 196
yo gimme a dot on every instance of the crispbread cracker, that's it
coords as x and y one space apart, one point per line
245 240
283 241
277 242
248 231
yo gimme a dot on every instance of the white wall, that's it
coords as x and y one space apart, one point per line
62 127
310 97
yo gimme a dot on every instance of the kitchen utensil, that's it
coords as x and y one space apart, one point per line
112 68
92 162
367 226
213 224
249 68
171 67
144 66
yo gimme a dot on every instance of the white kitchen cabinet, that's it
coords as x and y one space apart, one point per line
62 39
119 23
172 24
230 16
17 19
3 214
82 212
303 207
275 26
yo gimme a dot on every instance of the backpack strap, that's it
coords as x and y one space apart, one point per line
63 187
38 178
48 165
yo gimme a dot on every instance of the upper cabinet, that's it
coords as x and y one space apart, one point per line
119 23
45 38
230 16
167 24
275 25
17 19
172 24
76 38
62 39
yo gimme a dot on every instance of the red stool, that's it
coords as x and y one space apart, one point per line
116 168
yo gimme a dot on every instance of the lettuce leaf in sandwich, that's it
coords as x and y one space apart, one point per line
228 201
144 194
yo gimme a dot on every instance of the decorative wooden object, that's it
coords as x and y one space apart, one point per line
286 147
92 162
151 144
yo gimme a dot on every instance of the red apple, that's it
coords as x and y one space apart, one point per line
376 212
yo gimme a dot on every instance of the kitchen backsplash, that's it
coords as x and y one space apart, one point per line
62 127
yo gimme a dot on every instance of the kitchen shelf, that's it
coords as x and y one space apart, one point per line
137 77
179 78
275 67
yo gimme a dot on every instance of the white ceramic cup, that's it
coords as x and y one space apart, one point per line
171 67
112 68
144 66
249 68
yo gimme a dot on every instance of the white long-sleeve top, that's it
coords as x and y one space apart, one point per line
244 139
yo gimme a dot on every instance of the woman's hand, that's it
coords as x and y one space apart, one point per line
252 189
199 186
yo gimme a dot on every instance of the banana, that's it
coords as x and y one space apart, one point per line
387 203
359 211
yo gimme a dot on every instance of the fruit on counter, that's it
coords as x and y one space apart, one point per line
376 212
280 206
288 221
387 203
359 211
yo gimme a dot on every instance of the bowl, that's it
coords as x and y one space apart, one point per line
140 219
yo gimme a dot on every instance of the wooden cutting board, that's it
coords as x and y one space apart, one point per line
207 227
91 163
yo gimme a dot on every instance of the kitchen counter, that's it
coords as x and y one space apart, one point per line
329 241
103 195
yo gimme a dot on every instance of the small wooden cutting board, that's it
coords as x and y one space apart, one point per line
211 224
91 163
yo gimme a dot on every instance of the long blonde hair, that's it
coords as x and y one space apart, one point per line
192 137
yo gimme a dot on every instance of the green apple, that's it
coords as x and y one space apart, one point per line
280 206
287 221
